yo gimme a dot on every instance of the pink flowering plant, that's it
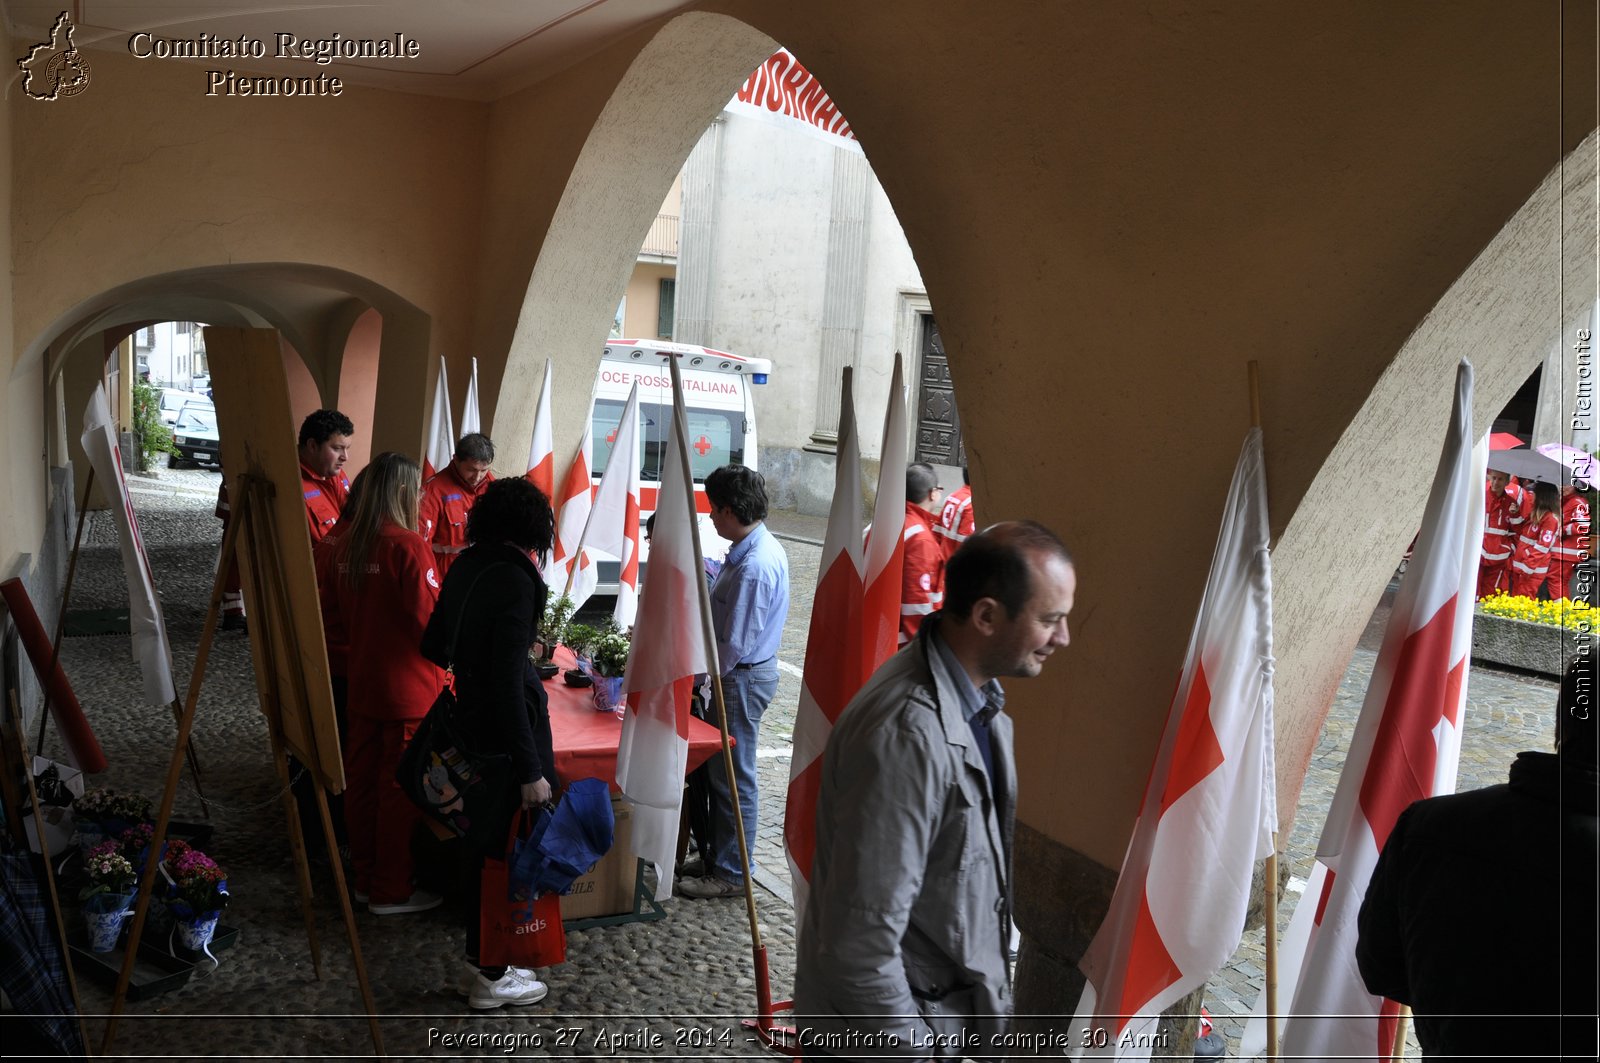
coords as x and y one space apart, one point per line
199 885
109 873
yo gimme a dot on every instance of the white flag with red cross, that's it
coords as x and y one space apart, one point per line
571 570
1406 746
470 421
1210 804
885 554
150 646
613 527
441 431
837 664
668 652
542 452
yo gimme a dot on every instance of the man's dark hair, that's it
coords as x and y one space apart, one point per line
475 446
998 563
740 489
512 510
966 477
1576 734
920 480
323 425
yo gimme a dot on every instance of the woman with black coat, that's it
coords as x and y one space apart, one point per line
495 596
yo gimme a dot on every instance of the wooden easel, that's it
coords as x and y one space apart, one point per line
266 533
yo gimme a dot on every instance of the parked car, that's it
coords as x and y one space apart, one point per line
195 435
173 400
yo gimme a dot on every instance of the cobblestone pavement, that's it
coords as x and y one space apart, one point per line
669 989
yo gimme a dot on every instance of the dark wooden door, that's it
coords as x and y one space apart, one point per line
938 422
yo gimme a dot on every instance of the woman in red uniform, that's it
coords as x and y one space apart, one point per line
1531 560
383 591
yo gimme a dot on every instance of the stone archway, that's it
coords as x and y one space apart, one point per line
671 91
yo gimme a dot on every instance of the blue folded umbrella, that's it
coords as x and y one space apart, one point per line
565 844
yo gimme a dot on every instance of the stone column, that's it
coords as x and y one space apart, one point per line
844 296
692 319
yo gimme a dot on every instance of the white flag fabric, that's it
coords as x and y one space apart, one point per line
1406 746
470 421
885 554
837 664
542 452
150 647
1210 805
669 649
441 431
572 569
613 527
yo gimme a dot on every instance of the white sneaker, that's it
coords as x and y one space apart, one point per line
469 976
419 901
513 988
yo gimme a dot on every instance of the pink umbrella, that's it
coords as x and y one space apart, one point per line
1581 463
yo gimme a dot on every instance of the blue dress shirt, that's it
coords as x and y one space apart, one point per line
750 600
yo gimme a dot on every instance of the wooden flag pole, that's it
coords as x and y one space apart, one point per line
1269 872
758 949
1401 1022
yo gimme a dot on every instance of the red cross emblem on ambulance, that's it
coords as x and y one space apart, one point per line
702 445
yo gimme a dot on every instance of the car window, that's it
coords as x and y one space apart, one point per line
716 437
195 418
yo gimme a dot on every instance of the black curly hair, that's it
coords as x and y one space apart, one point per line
322 425
512 510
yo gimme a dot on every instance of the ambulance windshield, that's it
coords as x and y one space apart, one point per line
716 437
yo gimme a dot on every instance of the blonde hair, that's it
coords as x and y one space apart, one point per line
386 493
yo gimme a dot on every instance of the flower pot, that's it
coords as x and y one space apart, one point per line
608 696
195 934
102 919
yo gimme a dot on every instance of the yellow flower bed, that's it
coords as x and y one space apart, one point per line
1576 616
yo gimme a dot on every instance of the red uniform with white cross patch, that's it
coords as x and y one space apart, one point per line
955 519
922 577
442 514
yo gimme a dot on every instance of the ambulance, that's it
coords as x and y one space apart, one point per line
719 405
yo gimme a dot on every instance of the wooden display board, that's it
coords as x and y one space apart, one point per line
259 442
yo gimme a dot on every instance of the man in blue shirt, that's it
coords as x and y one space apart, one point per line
749 603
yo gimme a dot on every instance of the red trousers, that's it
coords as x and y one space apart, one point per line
1560 577
1524 585
1492 574
376 811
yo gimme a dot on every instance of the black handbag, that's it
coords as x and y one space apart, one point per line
467 790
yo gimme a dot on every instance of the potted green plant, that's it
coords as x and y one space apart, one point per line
107 896
580 640
552 633
610 659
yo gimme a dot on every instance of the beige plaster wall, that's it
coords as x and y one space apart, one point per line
160 178
644 302
1174 194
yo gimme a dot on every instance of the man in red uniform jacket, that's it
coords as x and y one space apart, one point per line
447 498
1573 546
1506 506
324 446
922 578
956 521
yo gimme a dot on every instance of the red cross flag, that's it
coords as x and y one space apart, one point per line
885 554
836 664
571 567
150 646
542 452
441 432
1210 805
667 654
1406 746
613 527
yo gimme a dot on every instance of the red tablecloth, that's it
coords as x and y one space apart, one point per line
586 739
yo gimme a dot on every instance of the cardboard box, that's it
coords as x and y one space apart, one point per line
608 887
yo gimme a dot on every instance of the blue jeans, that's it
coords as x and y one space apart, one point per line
747 693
